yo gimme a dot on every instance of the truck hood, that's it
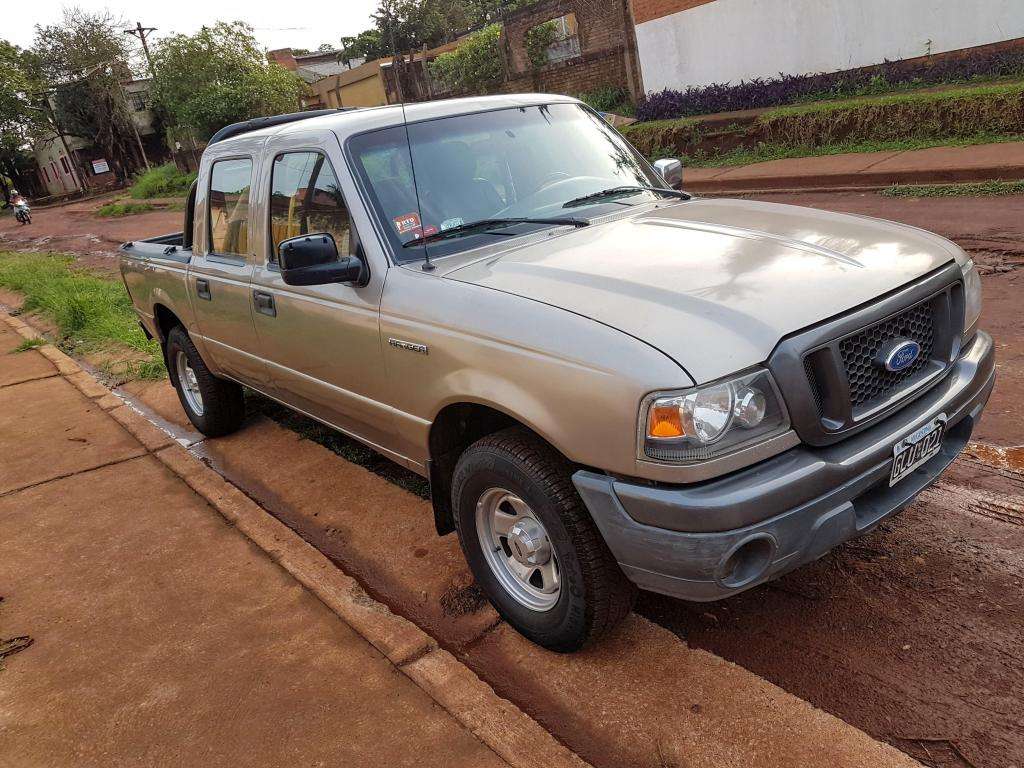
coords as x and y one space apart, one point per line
715 284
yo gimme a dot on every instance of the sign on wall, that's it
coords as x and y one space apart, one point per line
100 166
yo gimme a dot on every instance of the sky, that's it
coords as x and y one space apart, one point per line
306 24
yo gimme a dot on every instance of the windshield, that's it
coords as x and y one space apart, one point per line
523 162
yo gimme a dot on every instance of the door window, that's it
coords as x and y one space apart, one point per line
305 198
230 181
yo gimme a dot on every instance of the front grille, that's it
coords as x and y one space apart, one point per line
870 381
829 375
812 381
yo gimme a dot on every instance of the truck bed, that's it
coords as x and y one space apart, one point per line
168 247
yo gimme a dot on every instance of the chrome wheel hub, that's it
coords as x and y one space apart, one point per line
189 383
529 543
517 549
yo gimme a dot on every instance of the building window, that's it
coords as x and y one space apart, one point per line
64 165
137 100
47 174
553 41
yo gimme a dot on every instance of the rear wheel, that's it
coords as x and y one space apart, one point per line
215 406
532 545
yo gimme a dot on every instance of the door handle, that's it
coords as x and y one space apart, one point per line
264 303
203 289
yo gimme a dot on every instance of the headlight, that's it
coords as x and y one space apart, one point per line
712 420
972 298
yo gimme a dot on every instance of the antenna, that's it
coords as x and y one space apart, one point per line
427 265
397 65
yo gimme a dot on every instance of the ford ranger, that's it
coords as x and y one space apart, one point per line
609 383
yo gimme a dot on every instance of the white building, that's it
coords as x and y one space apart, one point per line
685 43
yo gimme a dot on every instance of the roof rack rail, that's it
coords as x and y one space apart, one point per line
236 129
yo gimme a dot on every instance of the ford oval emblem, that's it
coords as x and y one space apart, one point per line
898 355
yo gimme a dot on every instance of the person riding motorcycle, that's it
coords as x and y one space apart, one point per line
21 209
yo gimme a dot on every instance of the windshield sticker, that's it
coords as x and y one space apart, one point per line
451 223
408 223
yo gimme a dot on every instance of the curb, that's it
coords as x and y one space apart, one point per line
504 728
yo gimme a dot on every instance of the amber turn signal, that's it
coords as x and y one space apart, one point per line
665 422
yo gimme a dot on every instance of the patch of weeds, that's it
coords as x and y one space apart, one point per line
92 313
118 209
346 447
28 344
976 189
163 181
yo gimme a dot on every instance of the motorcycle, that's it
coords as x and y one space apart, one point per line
22 213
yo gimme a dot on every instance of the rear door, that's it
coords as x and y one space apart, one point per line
221 270
322 342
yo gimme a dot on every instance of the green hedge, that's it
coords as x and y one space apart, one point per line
964 115
955 113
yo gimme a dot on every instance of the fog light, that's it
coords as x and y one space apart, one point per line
750 408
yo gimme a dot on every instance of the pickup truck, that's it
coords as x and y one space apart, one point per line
610 384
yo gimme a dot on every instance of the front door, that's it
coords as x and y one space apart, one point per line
221 269
321 342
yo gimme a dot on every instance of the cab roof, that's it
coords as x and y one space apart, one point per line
351 121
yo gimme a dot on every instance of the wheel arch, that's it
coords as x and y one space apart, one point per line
165 319
455 427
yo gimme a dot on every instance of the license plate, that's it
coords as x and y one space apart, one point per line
915 449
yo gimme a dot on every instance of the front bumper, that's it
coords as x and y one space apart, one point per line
710 540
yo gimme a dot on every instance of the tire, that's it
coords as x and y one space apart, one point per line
219 408
593 595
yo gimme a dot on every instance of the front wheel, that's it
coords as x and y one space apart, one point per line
532 545
215 406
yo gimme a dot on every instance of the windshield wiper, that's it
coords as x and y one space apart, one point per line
483 225
616 191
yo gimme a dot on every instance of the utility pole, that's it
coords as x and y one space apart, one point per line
142 33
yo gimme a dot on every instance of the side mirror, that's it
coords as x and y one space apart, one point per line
671 171
314 260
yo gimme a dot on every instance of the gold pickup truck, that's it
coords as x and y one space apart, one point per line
609 383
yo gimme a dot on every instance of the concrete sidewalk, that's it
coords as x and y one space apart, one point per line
162 635
938 165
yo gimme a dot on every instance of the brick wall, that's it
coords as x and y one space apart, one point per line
648 10
607 49
590 72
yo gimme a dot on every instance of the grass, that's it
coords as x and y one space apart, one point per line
975 189
163 181
118 209
93 314
903 97
765 152
28 344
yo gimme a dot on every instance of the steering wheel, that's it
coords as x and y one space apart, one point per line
552 178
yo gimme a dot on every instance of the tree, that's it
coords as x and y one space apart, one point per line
401 26
85 59
366 45
21 116
220 75
475 66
